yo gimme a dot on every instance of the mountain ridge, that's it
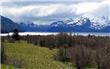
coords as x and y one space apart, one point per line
79 24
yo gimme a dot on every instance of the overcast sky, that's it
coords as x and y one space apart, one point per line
47 11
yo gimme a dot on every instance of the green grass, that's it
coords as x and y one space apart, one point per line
30 56
3 66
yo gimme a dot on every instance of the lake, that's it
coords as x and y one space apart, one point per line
55 33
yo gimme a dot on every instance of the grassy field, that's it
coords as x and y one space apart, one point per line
28 56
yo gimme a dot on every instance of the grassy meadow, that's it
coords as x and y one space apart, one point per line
22 55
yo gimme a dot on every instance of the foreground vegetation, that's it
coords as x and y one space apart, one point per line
28 56
62 51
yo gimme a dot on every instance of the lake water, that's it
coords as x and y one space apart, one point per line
55 33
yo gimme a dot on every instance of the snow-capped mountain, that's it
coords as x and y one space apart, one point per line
58 24
96 23
79 24
84 24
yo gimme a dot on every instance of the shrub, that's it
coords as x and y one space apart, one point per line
17 62
63 54
103 57
81 56
3 55
15 35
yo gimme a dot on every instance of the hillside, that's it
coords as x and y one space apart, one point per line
7 25
23 55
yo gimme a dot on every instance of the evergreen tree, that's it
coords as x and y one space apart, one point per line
15 35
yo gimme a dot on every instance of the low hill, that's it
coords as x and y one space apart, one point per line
29 56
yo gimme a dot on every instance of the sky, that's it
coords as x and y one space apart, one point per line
48 11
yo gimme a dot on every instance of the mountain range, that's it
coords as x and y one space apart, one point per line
79 24
7 25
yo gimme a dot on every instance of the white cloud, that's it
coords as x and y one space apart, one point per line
57 10
37 10
86 7
55 0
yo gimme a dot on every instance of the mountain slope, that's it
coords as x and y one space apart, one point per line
82 24
7 25
79 24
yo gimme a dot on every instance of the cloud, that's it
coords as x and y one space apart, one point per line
103 10
39 10
54 11
86 7
53 1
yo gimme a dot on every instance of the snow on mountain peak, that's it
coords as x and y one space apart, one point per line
58 23
87 21
96 22
77 21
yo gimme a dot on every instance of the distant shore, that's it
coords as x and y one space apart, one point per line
55 33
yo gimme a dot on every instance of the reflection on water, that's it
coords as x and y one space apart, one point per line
55 33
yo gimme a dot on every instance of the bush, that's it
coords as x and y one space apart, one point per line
63 54
16 62
81 56
103 57
15 35
3 55
11 40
